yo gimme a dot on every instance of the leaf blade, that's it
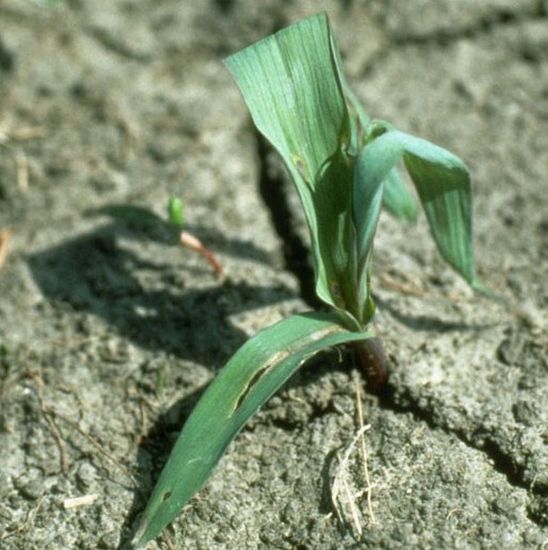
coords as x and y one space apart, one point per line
279 79
372 167
397 197
254 373
448 207
442 181
292 86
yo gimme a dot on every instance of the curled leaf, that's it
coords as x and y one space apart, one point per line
442 181
397 197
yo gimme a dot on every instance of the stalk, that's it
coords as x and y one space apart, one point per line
372 359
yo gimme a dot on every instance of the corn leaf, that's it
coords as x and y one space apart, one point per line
397 197
253 374
291 85
442 181
371 169
443 185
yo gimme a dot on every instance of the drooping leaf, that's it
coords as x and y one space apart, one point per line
253 374
443 185
397 197
292 88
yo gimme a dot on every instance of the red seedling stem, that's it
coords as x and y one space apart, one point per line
190 241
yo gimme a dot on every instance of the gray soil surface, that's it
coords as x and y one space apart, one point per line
108 335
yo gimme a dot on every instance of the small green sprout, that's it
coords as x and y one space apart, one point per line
175 211
170 231
343 165
176 218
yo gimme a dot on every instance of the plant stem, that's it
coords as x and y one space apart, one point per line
5 237
190 241
372 358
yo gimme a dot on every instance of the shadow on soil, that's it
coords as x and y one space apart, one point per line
145 301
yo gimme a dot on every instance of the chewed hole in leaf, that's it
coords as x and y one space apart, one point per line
166 496
280 356
252 382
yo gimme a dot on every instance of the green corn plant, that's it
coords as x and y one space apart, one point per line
344 168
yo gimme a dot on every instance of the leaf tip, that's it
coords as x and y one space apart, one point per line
484 290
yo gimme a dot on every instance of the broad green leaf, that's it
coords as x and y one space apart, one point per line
290 84
253 374
292 88
397 197
443 185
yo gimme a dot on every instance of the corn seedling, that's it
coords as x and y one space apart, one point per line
169 231
343 165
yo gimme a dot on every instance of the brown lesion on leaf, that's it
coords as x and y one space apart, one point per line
301 167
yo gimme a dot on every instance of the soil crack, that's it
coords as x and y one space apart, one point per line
476 440
446 37
272 187
484 25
